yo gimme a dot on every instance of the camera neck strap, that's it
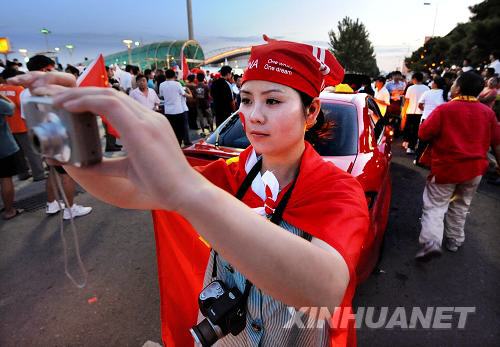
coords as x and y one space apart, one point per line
276 217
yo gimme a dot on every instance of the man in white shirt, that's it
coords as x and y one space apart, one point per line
172 93
126 79
45 64
466 65
428 102
413 112
186 139
145 95
382 96
495 64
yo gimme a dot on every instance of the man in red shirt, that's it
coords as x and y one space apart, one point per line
18 128
460 132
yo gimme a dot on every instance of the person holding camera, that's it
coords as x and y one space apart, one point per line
285 227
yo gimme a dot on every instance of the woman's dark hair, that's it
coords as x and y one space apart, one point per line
322 130
190 78
470 83
441 84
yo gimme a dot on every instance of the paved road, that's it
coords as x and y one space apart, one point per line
39 306
468 278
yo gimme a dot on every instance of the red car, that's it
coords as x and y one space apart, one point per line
359 144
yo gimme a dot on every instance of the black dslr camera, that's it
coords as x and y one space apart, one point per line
225 312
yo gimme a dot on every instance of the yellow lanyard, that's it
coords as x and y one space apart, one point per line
465 98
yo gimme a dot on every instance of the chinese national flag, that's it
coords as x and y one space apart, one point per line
183 255
185 67
95 76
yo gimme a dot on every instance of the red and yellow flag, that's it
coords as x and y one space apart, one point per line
326 202
95 75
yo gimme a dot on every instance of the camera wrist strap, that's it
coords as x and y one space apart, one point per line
60 195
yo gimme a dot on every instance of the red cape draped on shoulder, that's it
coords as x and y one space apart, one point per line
326 202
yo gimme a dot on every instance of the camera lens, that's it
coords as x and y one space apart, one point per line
51 140
205 333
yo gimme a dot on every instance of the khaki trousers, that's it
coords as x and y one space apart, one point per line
445 209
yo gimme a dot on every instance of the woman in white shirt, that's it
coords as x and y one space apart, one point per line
433 98
437 95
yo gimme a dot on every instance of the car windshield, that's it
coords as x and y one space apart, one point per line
339 141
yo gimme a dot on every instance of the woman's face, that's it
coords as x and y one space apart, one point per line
274 117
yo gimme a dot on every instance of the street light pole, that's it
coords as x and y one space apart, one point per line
24 53
435 16
190 20
70 48
46 33
128 43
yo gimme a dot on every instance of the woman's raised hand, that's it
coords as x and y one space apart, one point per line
155 173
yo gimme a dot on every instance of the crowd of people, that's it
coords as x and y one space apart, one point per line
408 102
191 104
449 115
449 121
270 247
17 156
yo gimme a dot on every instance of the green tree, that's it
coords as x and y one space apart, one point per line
353 48
475 40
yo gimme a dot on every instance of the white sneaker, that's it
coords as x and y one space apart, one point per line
76 211
53 207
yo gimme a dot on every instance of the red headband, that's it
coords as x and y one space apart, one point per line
306 68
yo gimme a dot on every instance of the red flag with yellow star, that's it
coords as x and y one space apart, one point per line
95 75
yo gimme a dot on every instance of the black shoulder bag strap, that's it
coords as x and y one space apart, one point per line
276 217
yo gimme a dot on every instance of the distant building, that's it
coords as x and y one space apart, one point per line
166 54
237 58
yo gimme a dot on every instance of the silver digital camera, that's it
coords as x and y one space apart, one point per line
70 138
